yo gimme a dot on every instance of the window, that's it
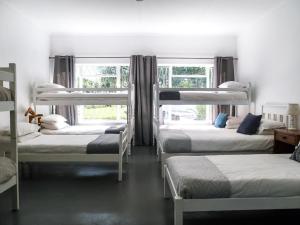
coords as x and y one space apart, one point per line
186 76
101 76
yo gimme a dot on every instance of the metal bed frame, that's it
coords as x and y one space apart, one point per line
8 74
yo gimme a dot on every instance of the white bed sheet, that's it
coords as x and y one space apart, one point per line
57 144
81 96
78 130
263 175
207 138
213 96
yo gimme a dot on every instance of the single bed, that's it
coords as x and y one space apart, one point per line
232 182
208 140
81 129
76 148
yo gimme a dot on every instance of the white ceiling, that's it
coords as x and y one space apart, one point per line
188 17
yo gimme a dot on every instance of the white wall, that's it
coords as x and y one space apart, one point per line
23 43
269 55
202 46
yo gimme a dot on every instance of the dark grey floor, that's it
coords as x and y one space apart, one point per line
88 194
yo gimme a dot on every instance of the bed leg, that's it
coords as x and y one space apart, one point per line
178 211
15 197
120 170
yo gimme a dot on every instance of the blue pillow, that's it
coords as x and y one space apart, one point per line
250 124
221 119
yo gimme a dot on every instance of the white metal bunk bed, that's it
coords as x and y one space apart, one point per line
8 74
85 96
197 96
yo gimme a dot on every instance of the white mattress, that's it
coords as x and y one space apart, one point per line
260 175
213 96
57 144
81 96
7 169
207 138
77 130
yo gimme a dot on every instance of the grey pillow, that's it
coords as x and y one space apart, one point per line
296 154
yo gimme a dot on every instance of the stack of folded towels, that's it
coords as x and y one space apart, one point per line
54 122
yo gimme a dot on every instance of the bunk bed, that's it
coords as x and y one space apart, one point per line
9 159
88 96
73 146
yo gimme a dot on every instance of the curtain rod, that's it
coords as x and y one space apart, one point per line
127 57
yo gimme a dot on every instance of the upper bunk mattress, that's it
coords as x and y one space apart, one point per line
80 96
7 169
235 176
204 95
209 139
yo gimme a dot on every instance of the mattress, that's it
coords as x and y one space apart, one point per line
78 130
209 139
81 96
5 94
7 169
211 96
57 144
248 176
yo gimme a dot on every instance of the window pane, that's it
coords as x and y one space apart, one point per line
99 82
188 70
124 71
163 75
182 82
99 112
107 70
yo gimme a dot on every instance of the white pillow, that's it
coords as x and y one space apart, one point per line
233 122
55 126
268 126
28 137
50 85
53 118
232 84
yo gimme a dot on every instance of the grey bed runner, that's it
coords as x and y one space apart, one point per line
6 94
175 141
104 144
198 178
115 129
169 95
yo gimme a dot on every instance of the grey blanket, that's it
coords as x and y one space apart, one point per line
175 141
104 144
169 95
5 94
198 178
115 129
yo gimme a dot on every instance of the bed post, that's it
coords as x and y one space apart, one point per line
120 163
178 211
13 130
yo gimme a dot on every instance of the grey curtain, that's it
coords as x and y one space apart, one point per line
64 74
143 71
223 71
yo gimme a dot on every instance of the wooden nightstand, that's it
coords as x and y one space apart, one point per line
285 140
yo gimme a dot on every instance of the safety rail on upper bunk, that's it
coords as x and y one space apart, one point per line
81 96
8 74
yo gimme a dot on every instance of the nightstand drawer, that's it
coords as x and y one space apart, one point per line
290 139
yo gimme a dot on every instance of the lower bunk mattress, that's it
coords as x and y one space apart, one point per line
79 144
7 169
235 176
209 139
